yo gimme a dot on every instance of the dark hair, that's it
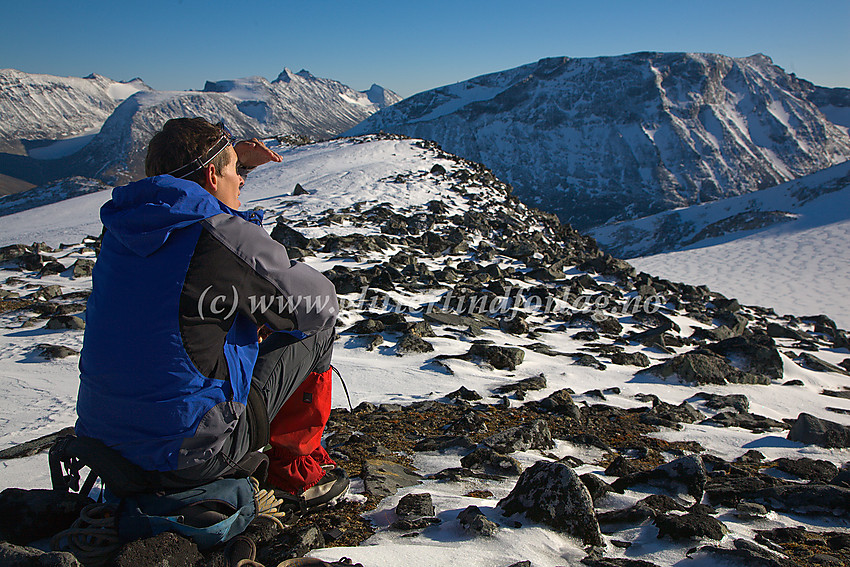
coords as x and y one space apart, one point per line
180 141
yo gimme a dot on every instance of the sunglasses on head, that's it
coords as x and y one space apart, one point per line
205 159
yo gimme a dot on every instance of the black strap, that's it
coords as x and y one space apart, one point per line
259 429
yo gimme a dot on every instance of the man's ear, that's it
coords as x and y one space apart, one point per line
210 178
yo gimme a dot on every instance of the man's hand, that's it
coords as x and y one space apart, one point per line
253 152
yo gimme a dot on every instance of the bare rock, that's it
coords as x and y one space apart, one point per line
811 430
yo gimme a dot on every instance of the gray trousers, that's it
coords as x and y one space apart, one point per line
282 365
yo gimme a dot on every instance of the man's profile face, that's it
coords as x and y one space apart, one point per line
228 182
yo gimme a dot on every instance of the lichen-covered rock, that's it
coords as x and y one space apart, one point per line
382 478
411 343
293 542
553 494
503 358
491 461
474 522
535 435
12 555
415 505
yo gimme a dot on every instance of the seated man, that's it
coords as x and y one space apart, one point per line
172 374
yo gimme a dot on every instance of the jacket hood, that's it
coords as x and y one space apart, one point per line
142 214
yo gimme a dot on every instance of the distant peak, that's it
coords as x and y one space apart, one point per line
305 74
760 58
286 75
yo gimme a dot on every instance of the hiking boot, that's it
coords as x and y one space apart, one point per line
330 489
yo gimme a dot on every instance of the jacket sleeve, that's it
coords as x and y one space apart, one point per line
267 286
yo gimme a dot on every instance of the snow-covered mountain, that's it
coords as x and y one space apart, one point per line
294 104
36 108
604 138
468 317
706 224
786 247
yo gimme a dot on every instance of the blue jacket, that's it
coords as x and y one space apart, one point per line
180 285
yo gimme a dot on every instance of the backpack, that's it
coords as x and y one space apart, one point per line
208 514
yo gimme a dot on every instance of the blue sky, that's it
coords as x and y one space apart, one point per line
402 45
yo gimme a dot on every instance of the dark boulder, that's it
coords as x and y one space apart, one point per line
291 238
595 486
668 415
757 351
812 362
811 430
503 358
464 393
367 327
745 420
29 515
552 494
685 474
65 322
415 511
54 352
748 553
410 343
738 402
689 526
291 543
82 268
521 387
808 469
705 367
560 403
630 359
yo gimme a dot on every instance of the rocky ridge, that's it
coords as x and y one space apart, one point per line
476 282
